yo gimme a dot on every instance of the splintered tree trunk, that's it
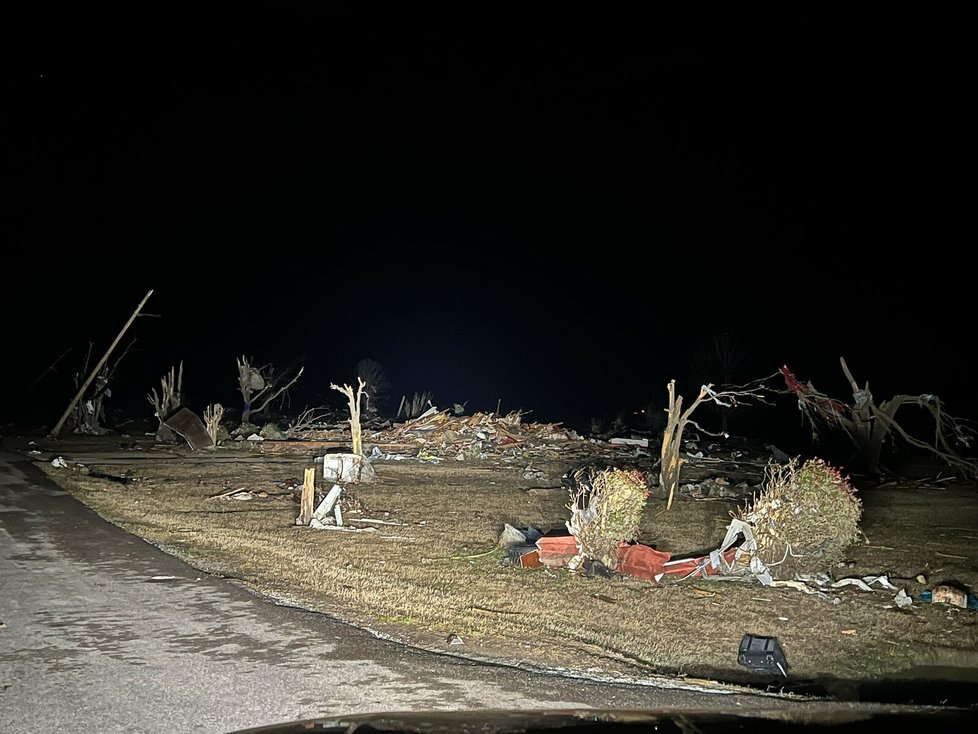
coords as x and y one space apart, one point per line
212 420
353 403
671 461
672 438
356 435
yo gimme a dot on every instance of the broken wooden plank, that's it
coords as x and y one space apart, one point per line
308 496
230 492
344 528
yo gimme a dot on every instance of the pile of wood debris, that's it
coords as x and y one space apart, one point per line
442 435
438 434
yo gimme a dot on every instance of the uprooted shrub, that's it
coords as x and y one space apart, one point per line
804 519
606 508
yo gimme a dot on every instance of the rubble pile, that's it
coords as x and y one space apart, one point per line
439 435
731 469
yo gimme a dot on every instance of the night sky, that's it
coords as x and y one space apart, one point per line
559 211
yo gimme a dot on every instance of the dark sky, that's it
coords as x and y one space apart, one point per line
550 209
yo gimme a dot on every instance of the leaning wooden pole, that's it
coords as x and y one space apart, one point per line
57 428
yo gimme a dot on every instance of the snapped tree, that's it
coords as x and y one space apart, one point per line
171 385
354 401
259 386
212 420
166 404
671 460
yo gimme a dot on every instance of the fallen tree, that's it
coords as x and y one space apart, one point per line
868 425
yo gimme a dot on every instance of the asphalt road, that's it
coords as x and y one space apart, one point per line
100 631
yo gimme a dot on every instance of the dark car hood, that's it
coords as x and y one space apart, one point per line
608 721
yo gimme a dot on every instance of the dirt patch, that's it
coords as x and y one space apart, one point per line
431 570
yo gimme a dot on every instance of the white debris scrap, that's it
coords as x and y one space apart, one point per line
865 582
326 506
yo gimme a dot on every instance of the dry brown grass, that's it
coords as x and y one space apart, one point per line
438 572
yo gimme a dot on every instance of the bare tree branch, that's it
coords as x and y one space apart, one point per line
307 421
278 392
